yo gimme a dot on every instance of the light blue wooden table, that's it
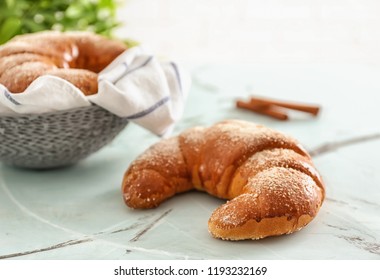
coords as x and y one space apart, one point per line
78 212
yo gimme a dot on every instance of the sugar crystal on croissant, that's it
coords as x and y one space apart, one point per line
269 179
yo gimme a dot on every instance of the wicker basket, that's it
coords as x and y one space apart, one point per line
56 139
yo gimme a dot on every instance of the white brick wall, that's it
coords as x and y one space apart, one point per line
256 30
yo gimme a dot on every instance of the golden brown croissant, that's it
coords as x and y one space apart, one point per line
268 178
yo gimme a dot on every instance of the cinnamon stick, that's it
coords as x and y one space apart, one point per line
262 109
311 109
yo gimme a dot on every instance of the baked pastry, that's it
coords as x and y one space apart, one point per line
268 178
74 56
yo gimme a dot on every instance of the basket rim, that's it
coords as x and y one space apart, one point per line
93 106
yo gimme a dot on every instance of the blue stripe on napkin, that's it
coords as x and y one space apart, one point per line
177 75
150 109
128 71
10 98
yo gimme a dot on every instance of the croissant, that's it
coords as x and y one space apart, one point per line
268 178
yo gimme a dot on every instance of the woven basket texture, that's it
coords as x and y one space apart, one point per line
56 139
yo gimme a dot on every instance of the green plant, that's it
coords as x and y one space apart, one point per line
27 16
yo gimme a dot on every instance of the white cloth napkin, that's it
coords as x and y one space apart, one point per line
136 85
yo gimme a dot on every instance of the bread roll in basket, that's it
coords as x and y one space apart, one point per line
60 138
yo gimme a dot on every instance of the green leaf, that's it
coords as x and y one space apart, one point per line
9 28
19 16
31 26
10 3
74 11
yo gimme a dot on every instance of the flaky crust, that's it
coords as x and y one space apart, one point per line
26 57
269 179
